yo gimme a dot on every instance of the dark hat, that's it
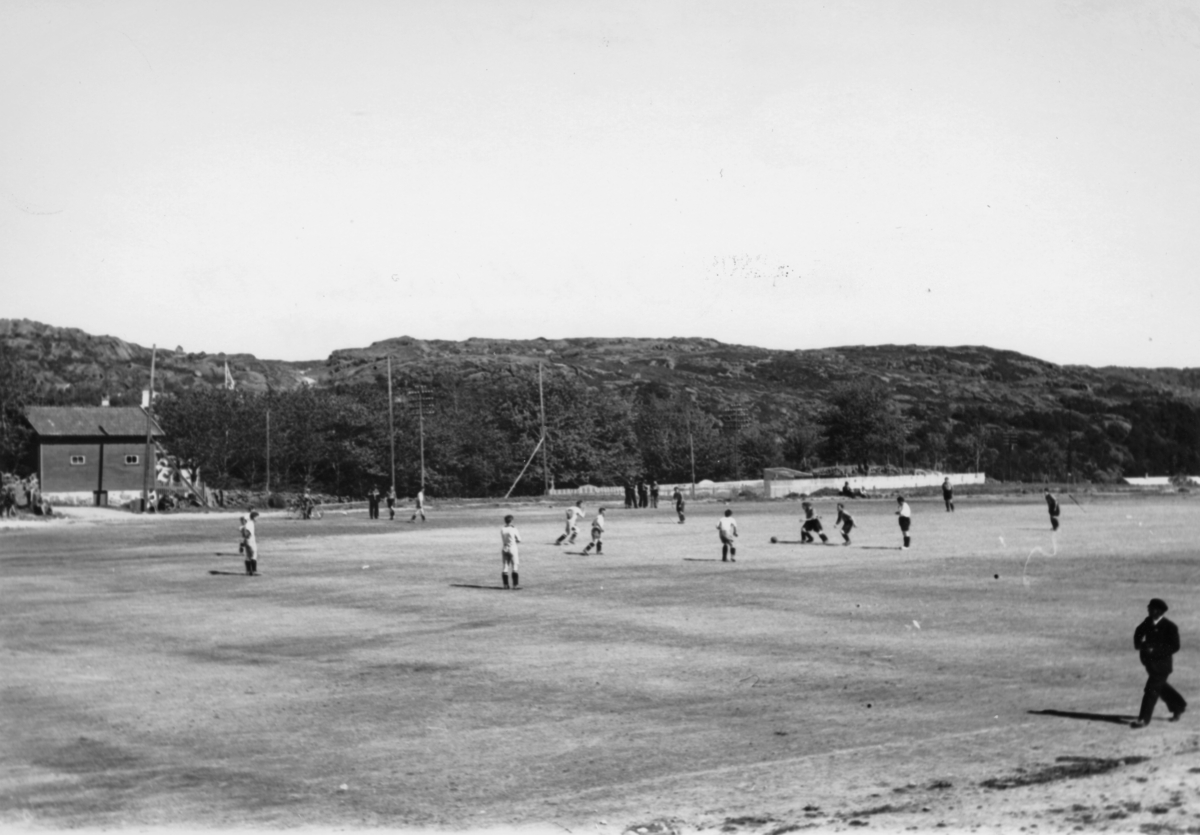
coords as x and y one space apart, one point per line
1157 603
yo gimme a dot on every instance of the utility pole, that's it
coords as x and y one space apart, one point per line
421 397
391 423
687 416
147 469
545 455
737 417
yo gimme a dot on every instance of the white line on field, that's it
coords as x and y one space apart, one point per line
681 775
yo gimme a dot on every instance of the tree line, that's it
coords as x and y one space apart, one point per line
478 434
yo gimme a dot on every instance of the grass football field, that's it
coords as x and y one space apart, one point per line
376 675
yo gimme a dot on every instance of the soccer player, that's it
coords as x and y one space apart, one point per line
948 494
1156 639
845 521
727 530
373 503
420 500
1052 506
811 525
250 541
597 534
509 558
574 514
905 514
680 505
391 503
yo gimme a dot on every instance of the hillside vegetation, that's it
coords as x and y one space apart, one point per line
621 408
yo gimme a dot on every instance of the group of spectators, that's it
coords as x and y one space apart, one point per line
641 494
21 492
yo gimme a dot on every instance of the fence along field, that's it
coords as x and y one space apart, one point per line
377 675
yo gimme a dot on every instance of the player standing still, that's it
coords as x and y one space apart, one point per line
905 514
391 503
509 558
574 514
948 495
844 521
1052 506
597 533
727 530
250 541
680 505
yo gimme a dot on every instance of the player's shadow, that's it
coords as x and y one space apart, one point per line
1111 718
478 586
702 559
230 573
879 547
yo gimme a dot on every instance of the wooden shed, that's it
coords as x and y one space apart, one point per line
92 454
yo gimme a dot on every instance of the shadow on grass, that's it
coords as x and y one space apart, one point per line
702 559
879 547
1111 718
232 573
477 586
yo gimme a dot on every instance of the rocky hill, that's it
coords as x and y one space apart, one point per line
77 366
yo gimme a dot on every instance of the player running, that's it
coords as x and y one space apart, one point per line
1052 506
844 521
727 530
574 514
509 558
811 525
597 534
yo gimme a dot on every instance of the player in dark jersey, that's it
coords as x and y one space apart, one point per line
844 521
1052 506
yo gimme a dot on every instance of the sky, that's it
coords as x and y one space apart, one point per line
286 178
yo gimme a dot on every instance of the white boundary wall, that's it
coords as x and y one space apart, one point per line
779 488
1157 481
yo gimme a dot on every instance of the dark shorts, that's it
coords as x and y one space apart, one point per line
812 525
905 521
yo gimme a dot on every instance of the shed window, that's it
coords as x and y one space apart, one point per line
132 459
76 460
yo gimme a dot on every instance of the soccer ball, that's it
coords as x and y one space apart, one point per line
773 540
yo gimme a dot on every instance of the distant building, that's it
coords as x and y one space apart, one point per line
92 454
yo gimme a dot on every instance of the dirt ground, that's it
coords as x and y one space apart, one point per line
376 675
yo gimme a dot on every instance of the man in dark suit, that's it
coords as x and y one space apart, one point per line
1156 639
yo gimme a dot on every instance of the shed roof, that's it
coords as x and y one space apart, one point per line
89 420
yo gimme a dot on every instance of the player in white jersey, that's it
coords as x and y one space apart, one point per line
574 514
905 514
509 557
727 530
420 506
250 542
811 524
597 533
